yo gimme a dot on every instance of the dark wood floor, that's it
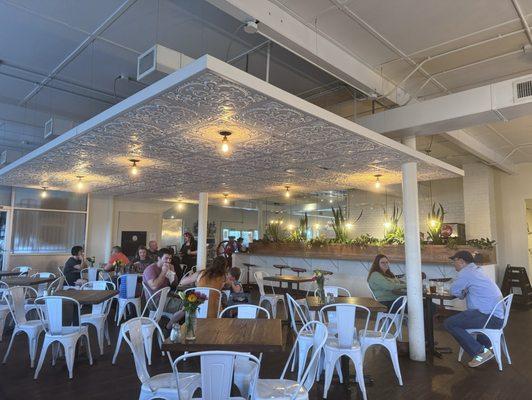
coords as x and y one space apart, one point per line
445 379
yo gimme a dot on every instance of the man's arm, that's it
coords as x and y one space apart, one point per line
460 285
157 282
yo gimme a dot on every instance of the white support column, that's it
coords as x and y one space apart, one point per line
260 218
416 324
203 211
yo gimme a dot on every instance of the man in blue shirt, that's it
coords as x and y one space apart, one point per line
482 295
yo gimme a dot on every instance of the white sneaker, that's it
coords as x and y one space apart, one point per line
481 358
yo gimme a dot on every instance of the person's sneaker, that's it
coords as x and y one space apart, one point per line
481 358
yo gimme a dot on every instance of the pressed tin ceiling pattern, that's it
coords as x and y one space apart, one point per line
174 134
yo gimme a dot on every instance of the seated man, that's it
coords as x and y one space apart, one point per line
116 255
481 294
74 265
160 275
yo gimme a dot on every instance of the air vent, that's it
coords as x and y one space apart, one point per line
522 90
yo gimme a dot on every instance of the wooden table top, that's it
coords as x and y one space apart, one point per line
253 335
314 303
26 281
289 278
439 296
9 273
88 296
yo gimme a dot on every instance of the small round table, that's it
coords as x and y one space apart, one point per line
298 270
280 267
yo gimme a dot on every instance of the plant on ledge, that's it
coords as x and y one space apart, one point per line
340 225
393 233
300 233
434 223
365 240
274 232
482 243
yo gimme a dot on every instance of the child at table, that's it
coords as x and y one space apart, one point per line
237 295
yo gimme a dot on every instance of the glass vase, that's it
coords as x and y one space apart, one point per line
190 325
321 290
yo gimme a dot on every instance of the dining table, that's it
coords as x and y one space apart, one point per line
231 334
289 279
26 280
87 297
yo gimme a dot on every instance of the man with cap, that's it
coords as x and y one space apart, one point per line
481 294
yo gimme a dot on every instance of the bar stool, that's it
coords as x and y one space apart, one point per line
298 270
280 267
248 266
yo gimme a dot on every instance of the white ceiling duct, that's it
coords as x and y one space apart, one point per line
159 61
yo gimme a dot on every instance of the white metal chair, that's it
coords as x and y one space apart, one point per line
91 274
245 367
203 309
154 308
130 280
335 291
245 311
16 299
43 286
387 317
22 270
55 285
216 373
297 315
99 313
288 389
188 273
4 308
384 336
162 385
345 344
51 316
496 336
271 299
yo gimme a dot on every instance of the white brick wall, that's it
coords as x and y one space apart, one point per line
447 192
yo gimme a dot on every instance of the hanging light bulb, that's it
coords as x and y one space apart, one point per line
79 185
226 200
44 193
179 205
225 142
377 181
387 225
287 193
134 170
433 223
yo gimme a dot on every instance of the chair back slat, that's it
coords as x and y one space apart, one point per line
132 334
296 313
16 298
155 305
258 275
217 376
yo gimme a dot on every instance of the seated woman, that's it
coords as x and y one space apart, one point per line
237 295
141 260
383 282
212 277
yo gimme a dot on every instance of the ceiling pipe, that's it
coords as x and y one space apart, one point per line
78 50
523 20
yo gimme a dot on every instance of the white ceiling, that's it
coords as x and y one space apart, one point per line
392 37
172 127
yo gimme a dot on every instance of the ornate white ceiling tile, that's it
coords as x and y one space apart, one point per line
173 128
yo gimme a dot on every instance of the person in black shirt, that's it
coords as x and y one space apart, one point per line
141 260
153 250
189 252
74 265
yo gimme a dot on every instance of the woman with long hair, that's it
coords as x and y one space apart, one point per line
141 260
383 282
189 252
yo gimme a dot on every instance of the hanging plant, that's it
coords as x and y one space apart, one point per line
434 223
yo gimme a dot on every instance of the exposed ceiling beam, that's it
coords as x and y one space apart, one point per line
312 45
479 149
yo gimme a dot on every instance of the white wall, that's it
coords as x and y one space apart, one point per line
512 237
448 192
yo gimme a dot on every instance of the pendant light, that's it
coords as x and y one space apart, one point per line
287 193
226 200
79 185
377 181
225 142
44 193
134 170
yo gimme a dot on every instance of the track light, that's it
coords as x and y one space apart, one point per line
134 170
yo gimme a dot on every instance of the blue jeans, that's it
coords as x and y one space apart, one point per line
470 319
